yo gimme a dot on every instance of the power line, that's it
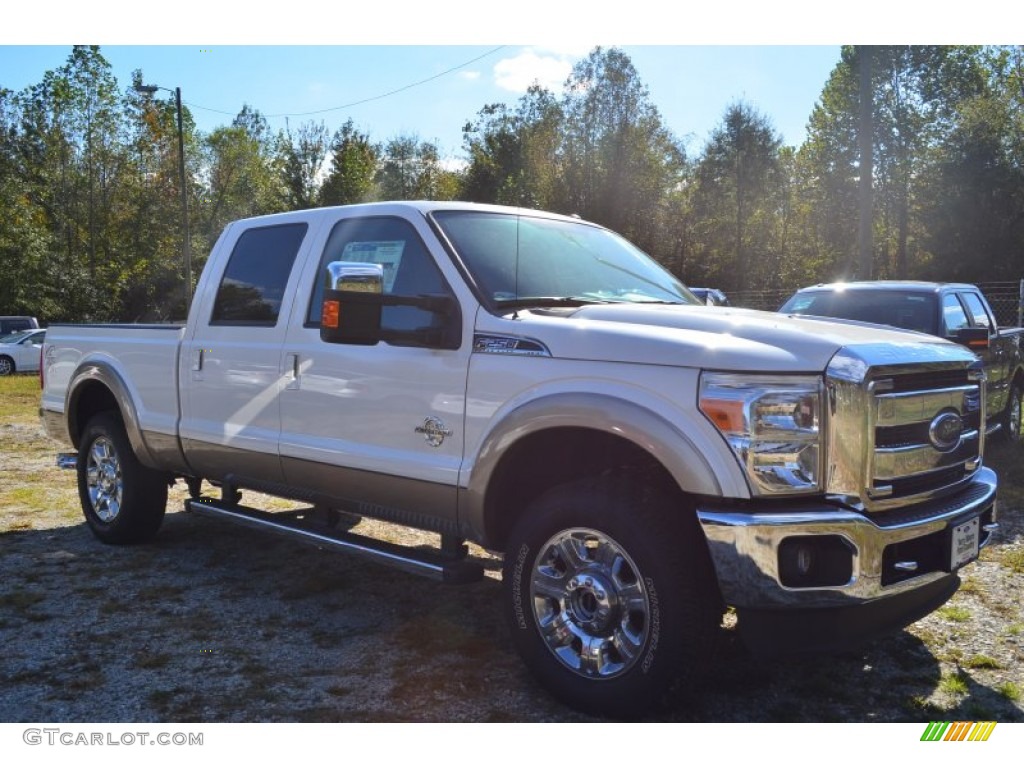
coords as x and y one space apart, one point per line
367 100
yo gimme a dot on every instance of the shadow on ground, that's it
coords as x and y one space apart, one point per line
215 623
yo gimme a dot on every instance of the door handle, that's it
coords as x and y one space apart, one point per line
292 369
197 359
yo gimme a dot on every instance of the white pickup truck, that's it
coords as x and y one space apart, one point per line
536 385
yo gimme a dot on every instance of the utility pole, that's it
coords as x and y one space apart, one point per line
186 248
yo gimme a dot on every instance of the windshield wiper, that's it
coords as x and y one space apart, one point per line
552 301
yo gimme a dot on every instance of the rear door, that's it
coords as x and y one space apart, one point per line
230 369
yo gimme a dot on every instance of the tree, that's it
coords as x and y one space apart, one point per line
972 189
243 176
740 193
303 155
618 161
412 170
354 163
69 159
513 155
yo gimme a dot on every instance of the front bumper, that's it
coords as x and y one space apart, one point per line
890 553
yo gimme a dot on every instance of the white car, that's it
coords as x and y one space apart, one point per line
19 352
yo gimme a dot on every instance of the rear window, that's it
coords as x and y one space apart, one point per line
11 324
901 309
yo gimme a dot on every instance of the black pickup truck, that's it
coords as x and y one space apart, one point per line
955 311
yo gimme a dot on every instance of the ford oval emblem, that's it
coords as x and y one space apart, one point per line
944 431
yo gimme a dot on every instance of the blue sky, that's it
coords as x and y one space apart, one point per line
696 59
691 85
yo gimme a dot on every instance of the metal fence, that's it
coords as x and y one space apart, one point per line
1005 298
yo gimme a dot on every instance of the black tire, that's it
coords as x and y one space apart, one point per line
1011 419
639 593
7 366
123 501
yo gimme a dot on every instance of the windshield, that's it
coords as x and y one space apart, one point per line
521 260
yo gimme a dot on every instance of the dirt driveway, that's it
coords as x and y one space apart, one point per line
214 623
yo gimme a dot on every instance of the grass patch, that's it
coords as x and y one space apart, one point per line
954 684
981 661
970 586
1010 691
954 613
1012 559
925 707
20 397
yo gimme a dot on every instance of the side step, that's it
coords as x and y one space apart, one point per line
434 565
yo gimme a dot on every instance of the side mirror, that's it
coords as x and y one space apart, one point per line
974 339
353 299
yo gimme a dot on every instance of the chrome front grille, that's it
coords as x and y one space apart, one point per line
903 433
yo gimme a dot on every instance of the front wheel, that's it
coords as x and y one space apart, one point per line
123 500
1012 415
611 596
6 365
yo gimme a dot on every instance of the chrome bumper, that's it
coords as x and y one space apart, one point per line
744 546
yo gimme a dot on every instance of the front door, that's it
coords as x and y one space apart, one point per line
378 428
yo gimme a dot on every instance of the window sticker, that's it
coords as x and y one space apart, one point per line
387 253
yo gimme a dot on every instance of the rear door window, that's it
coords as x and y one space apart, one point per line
254 281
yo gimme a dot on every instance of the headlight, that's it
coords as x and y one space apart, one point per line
772 424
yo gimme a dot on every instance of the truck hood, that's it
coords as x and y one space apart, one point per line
722 338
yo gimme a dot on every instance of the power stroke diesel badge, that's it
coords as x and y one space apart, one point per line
434 431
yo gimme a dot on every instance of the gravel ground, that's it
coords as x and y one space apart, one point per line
214 623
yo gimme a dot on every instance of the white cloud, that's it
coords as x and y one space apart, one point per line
470 75
520 72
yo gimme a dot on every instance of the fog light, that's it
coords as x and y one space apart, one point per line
814 562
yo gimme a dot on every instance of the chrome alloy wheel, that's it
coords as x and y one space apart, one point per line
590 603
1015 414
103 476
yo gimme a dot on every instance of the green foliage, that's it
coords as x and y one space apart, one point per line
302 156
91 225
354 161
513 155
981 661
954 613
1010 690
739 194
411 170
955 684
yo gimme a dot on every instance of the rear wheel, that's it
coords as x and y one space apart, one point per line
123 501
611 597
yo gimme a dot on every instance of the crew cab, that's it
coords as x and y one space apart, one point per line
956 311
535 384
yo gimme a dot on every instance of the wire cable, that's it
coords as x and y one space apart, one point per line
362 101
